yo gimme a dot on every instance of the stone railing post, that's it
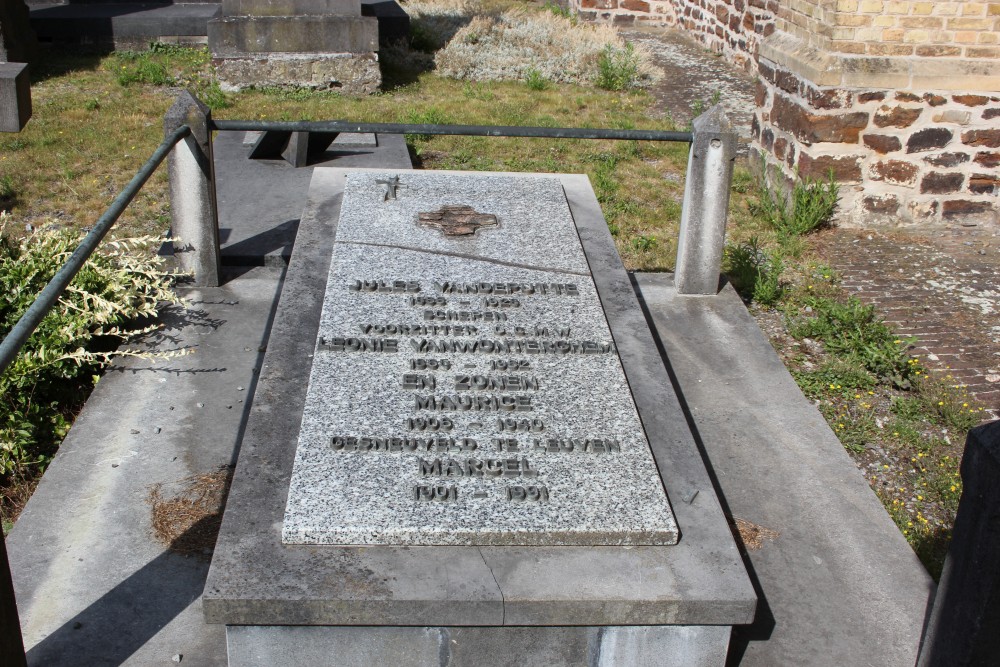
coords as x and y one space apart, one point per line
194 217
706 201
964 625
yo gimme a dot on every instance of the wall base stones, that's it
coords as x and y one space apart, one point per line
899 100
902 156
349 73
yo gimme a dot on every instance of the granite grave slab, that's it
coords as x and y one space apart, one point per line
465 387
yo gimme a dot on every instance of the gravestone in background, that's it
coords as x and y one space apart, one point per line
464 447
318 44
17 39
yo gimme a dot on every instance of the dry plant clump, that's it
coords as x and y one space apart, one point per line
435 22
753 535
188 520
487 42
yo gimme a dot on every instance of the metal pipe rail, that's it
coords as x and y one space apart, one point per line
50 293
453 130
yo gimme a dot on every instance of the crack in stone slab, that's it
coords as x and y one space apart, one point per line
474 258
503 600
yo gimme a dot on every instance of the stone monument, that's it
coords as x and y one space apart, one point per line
17 39
464 443
318 44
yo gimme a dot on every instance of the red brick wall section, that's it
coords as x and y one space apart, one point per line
901 157
905 150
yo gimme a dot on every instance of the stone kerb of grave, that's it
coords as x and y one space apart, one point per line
488 444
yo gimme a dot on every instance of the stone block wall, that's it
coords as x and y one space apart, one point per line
900 98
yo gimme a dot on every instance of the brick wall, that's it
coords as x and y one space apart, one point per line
900 98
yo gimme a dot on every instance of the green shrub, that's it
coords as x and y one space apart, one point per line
534 80
813 204
755 272
49 379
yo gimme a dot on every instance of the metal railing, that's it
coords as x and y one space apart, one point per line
450 130
188 143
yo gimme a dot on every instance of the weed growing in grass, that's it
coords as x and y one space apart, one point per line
8 192
534 80
854 331
618 68
429 116
644 242
141 68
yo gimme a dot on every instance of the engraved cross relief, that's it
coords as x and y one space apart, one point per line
456 220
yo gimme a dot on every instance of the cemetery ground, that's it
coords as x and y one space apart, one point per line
97 118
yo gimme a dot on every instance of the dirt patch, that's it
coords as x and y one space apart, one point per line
694 75
187 514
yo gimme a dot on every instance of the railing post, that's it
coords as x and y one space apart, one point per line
964 624
193 212
706 201
11 644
